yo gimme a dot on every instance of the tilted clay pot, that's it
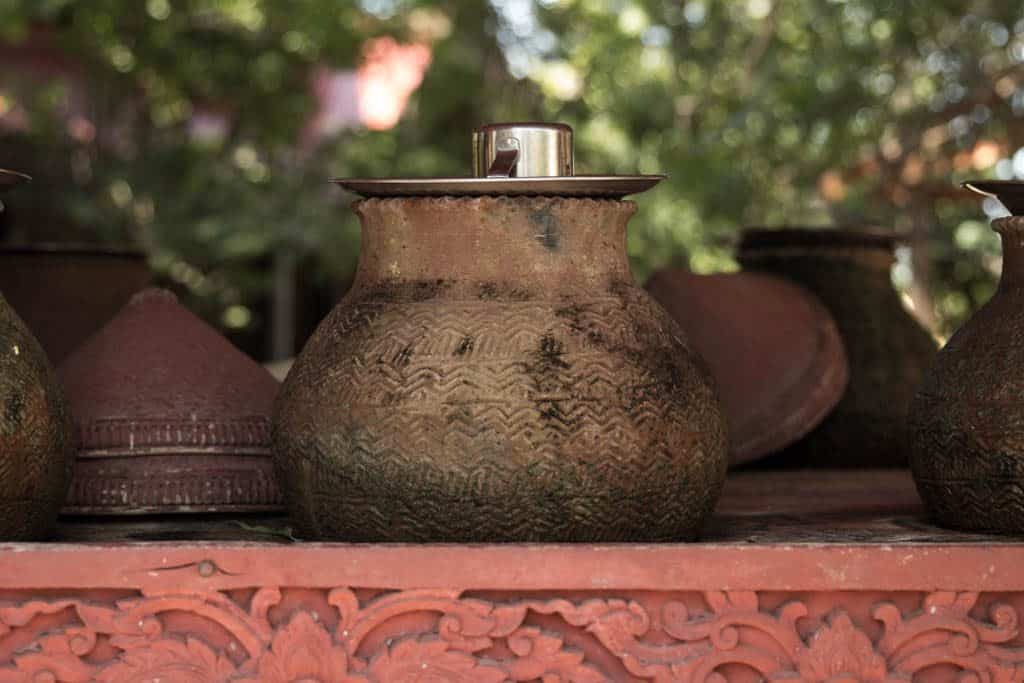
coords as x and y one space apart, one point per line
967 420
36 444
773 349
888 351
496 375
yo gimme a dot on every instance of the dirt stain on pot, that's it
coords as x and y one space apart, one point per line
395 291
464 347
549 229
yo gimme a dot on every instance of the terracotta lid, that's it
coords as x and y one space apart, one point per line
170 416
772 347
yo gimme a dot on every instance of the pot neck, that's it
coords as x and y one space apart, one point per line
1011 229
537 247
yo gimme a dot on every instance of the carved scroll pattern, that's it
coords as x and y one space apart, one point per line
435 635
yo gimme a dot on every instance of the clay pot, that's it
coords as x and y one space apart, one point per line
496 375
888 351
773 349
170 416
967 421
36 444
65 293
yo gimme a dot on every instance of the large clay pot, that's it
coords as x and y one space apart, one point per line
496 375
888 351
65 292
967 421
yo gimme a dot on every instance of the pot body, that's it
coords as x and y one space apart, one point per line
887 350
496 375
36 444
967 421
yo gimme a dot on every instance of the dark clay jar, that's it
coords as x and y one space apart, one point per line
36 444
496 375
967 421
888 351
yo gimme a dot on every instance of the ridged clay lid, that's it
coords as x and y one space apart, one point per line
158 381
158 366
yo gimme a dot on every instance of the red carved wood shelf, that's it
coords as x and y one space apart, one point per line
824 576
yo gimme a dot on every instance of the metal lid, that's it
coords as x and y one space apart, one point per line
9 179
1010 193
525 158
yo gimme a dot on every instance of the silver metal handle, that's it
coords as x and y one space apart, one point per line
522 150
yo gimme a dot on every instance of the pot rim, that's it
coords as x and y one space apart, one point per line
74 249
822 237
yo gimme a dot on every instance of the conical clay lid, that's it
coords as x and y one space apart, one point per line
171 417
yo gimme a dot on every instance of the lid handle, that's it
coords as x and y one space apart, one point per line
522 150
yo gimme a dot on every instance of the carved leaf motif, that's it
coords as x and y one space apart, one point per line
302 651
428 660
169 659
543 656
840 651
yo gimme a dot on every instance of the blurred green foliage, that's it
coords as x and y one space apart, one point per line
761 111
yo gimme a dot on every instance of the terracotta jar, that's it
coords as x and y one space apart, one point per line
888 351
773 349
495 374
171 417
36 444
967 421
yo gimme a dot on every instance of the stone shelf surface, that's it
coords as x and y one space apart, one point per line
829 576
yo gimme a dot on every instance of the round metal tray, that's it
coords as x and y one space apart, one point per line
1010 193
606 186
11 178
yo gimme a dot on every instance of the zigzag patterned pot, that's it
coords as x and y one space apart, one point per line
496 375
36 440
967 419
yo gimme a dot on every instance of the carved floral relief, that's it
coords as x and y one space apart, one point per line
276 635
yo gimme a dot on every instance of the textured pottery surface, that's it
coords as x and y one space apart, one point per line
170 416
967 420
66 293
888 351
772 347
36 446
496 375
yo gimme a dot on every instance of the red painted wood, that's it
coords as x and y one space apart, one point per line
757 600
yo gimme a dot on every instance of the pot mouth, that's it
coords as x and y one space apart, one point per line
819 237
73 249
1010 193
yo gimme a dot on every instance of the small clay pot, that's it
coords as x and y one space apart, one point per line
36 444
888 351
65 293
773 349
495 374
171 418
967 421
